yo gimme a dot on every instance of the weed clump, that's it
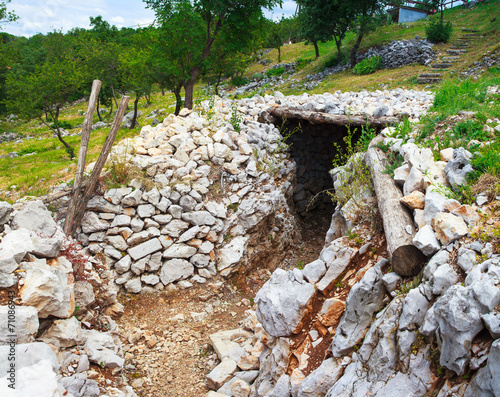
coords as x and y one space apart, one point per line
368 65
438 31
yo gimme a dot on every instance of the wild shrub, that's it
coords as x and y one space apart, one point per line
438 31
239 81
368 65
275 72
303 62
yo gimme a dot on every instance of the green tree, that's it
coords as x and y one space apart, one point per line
135 70
6 16
43 89
232 15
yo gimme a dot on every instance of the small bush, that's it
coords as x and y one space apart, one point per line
334 60
275 72
239 81
63 124
438 32
258 76
368 65
303 62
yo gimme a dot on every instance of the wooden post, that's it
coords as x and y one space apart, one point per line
399 228
77 208
86 130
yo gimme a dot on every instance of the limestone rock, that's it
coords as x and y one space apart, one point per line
283 302
66 333
425 240
79 386
35 218
449 228
144 249
47 289
415 200
457 169
331 311
364 299
102 349
28 354
175 269
314 271
232 253
487 382
24 324
221 374
318 382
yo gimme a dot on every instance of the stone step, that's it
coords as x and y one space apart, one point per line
460 45
449 59
470 35
456 52
429 80
442 65
470 30
430 75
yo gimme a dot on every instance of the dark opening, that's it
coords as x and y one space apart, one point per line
313 147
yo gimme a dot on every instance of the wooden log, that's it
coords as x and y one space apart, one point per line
406 259
75 213
326 118
48 198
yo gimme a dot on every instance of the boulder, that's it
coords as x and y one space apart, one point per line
91 223
364 299
415 200
35 217
179 251
21 321
28 354
283 302
457 169
318 382
199 218
314 271
449 228
66 333
48 290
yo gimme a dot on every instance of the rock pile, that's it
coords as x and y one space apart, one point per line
47 282
213 188
396 54
399 53
382 338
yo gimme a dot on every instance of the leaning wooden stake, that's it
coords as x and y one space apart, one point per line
86 130
406 259
77 208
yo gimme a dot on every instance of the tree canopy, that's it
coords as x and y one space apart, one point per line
233 17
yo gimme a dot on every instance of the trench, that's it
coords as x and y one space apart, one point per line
314 148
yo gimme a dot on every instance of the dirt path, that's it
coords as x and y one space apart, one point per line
165 336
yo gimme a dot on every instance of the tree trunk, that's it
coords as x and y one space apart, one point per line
57 130
178 100
134 119
162 91
316 48
338 43
114 95
399 229
218 83
111 109
75 213
98 111
354 49
279 54
189 87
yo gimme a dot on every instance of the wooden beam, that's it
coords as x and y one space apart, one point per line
326 118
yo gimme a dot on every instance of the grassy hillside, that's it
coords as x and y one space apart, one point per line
49 164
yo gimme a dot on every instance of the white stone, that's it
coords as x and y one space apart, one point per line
425 240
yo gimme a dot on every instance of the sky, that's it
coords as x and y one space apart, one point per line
42 16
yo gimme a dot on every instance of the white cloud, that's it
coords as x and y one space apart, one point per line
42 16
